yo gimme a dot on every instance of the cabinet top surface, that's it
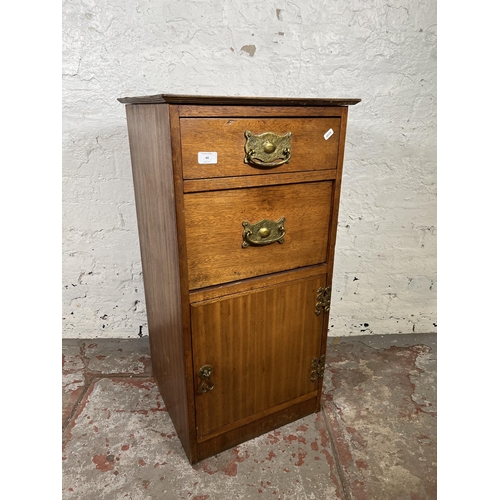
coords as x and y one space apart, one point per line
238 100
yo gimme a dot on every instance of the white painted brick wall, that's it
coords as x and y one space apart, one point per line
381 51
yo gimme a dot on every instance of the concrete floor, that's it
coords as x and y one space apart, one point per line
375 438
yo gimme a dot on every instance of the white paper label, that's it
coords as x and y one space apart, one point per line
328 134
207 158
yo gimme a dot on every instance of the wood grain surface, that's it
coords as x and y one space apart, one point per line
245 181
309 149
260 346
249 284
246 100
150 149
334 223
190 111
214 231
247 312
233 437
175 142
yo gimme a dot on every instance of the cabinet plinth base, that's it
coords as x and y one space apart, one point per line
256 428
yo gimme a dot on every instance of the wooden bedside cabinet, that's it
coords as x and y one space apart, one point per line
237 205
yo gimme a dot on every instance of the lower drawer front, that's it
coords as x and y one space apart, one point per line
214 231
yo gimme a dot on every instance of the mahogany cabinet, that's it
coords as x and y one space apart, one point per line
237 205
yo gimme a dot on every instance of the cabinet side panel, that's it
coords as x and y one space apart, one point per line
333 228
150 148
338 182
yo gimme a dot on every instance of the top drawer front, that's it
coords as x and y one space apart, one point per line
310 150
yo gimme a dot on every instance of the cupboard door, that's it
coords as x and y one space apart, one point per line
259 347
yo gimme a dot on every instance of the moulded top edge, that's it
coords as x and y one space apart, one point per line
223 100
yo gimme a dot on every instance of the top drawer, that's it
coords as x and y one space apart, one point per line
312 145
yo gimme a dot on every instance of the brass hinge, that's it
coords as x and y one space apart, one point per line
323 300
317 368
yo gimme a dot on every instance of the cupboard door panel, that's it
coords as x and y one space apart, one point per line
260 346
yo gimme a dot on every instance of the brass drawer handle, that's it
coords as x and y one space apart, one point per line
267 149
206 384
263 232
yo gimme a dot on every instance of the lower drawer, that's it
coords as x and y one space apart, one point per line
216 247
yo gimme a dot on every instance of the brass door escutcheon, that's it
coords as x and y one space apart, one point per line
206 384
263 232
267 149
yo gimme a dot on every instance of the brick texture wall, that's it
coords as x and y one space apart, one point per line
381 51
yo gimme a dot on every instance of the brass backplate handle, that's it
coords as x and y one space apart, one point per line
267 149
206 384
263 232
